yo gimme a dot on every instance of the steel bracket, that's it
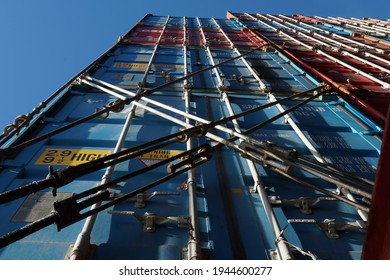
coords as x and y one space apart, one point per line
142 198
187 86
223 87
304 204
332 227
189 161
166 75
150 220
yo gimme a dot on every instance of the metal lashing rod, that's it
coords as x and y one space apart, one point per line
373 25
368 76
315 153
231 132
193 154
81 246
366 183
283 250
324 191
238 135
172 109
218 139
291 158
334 42
282 115
67 211
291 122
13 149
270 120
82 243
66 175
141 190
194 250
302 136
4 138
285 172
9 150
358 27
280 240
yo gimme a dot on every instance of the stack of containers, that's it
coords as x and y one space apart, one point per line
247 196
351 54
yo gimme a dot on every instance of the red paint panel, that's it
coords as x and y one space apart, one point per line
342 74
173 37
306 19
374 42
328 71
193 37
240 39
215 38
380 103
364 93
379 22
377 242
251 35
363 89
144 35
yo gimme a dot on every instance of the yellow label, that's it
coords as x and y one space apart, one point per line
160 154
129 65
53 156
143 66
169 66
236 191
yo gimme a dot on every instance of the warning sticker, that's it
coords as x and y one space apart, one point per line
158 155
161 154
70 156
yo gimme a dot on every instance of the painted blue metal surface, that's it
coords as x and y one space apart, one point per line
335 29
232 218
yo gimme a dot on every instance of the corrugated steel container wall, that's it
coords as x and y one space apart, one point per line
232 218
333 58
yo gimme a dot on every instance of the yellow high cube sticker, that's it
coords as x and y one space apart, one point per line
53 156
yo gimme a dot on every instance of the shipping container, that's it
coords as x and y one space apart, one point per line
356 64
193 138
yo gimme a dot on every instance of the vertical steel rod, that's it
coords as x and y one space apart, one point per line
282 247
82 244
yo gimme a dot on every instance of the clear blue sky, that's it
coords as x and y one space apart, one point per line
44 43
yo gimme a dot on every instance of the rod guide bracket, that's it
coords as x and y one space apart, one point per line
331 227
141 199
304 204
150 220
